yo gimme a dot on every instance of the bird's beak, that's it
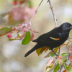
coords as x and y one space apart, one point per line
71 27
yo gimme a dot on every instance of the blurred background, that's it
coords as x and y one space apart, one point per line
12 52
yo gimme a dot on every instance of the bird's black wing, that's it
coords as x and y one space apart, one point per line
50 37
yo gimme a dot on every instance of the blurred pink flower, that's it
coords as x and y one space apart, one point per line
22 13
15 2
27 27
9 35
49 65
32 36
23 27
70 49
50 62
59 59
29 12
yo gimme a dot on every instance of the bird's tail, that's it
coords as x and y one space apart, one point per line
33 49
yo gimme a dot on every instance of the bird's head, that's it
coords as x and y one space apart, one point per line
66 26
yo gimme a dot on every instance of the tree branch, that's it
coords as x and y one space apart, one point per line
36 9
39 6
61 68
55 20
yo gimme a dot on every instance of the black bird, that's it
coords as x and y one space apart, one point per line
52 39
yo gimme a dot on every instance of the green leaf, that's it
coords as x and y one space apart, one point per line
64 54
71 44
18 35
62 61
52 55
65 66
70 64
5 30
49 67
55 50
69 69
38 51
29 3
67 44
58 53
57 67
12 39
26 39
49 48
56 62
8 29
65 60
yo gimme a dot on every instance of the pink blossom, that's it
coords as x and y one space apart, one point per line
22 13
50 61
17 13
23 27
25 30
15 2
9 35
70 49
27 27
49 65
59 59
24 24
32 36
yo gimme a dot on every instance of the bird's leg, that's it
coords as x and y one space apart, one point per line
54 53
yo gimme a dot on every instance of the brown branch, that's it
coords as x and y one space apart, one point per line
21 36
55 20
39 6
61 69
68 56
36 9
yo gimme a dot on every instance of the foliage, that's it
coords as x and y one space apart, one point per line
64 54
62 62
57 67
50 65
26 40
40 50
18 19
5 30
55 50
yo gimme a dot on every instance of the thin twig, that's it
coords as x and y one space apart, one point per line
55 20
39 6
36 9
68 56
61 68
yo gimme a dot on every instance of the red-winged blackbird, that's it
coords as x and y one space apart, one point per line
52 39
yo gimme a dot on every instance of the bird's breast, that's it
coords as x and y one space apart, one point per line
63 38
